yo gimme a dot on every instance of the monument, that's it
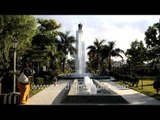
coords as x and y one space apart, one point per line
80 63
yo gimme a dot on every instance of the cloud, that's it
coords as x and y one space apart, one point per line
123 36
120 28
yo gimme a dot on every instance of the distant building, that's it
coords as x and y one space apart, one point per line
118 63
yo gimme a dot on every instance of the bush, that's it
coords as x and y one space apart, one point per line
134 80
7 83
39 81
156 84
127 79
117 77
48 79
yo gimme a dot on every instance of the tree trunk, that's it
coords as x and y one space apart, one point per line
63 67
38 68
97 62
109 64
157 90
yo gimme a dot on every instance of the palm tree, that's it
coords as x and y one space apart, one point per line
104 55
94 53
113 52
65 44
71 65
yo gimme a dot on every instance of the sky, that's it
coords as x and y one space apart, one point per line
120 28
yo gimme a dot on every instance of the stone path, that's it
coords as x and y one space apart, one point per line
132 96
54 94
48 95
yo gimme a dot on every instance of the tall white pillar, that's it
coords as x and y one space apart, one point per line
80 47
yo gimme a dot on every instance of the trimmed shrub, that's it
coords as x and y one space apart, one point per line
127 79
48 79
156 84
134 80
39 81
7 83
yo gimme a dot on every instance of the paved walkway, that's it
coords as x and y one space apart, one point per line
132 96
48 95
54 94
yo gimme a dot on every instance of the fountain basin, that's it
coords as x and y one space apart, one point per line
77 95
95 99
81 76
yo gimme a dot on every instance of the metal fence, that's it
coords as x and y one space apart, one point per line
10 98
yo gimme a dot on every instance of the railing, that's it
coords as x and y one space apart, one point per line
10 98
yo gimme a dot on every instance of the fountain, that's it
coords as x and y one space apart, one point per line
80 63
90 91
90 87
80 56
86 87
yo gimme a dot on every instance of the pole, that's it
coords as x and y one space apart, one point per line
14 72
38 68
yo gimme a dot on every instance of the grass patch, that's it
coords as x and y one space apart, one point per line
35 91
148 77
147 88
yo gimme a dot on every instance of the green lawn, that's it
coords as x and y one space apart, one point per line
35 91
147 88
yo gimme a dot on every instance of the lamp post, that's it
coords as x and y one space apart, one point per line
14 68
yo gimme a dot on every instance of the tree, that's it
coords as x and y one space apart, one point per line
136 55
152 39
156 84
113 52
65 45
19 27
71 65
94 54
104 53
44 46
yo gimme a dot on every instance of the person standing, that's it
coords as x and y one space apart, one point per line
24 88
